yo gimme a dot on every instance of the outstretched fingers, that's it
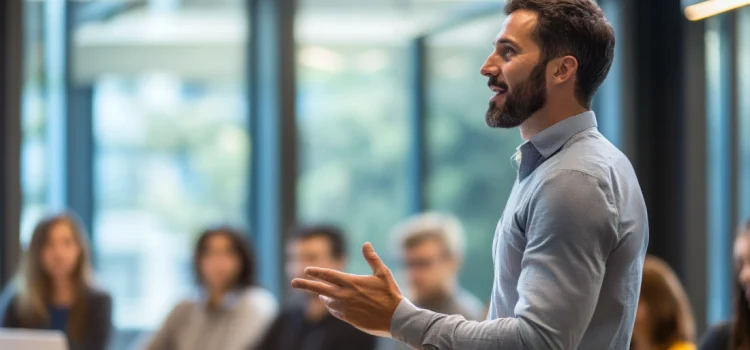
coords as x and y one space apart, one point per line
315 287
372 258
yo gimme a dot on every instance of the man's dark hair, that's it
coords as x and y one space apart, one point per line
241 248
577 28
333 234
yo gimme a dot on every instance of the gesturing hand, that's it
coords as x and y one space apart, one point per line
366 302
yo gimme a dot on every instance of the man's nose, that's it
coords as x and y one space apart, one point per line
491 67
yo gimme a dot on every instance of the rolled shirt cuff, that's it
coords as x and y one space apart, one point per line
409 323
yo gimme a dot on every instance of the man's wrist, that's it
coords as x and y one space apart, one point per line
409 323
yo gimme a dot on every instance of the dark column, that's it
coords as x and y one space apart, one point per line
79 164
11 68
418 147
695 186
659 122
272 204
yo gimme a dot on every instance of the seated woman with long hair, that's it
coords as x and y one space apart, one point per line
735 335
54 287
230 312
664 320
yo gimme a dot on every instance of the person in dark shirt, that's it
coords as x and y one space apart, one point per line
308 325
54 288
735 335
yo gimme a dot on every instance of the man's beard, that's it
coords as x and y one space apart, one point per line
528 97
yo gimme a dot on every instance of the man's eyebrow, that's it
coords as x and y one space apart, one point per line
505 41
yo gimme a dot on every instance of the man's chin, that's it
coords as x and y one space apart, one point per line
501 121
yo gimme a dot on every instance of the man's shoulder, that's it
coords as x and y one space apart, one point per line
591 153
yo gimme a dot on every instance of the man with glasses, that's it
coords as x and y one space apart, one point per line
431 248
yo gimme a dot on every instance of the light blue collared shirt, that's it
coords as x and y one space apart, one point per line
568 253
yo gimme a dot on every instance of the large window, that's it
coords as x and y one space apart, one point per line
352 117
171 145
34 170
171 159
718 120
743 36
470 173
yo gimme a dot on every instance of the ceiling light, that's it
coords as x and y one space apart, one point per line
710 8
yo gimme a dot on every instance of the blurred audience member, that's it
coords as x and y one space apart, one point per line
431 246
735 335
309 326
432 250
230 312
54 287
664 320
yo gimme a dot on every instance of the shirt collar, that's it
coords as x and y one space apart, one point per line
551 139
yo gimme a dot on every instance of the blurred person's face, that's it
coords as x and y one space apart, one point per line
742 261
220 265
313 251
516 75
430 269
61 252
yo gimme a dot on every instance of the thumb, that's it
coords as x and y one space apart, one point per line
377 265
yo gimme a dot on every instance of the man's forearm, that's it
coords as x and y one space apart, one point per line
429 330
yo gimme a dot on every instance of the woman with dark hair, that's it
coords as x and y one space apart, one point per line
736 334
54 287
664 320
230 312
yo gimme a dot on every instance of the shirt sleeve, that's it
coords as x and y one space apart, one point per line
571 227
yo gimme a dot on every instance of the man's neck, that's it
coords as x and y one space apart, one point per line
546 117
315 311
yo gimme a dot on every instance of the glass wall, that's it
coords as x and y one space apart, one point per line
608 104
171 143
34 150
718 120
743 49
352 120
470 173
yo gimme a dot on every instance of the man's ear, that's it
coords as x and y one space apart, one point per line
565 69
